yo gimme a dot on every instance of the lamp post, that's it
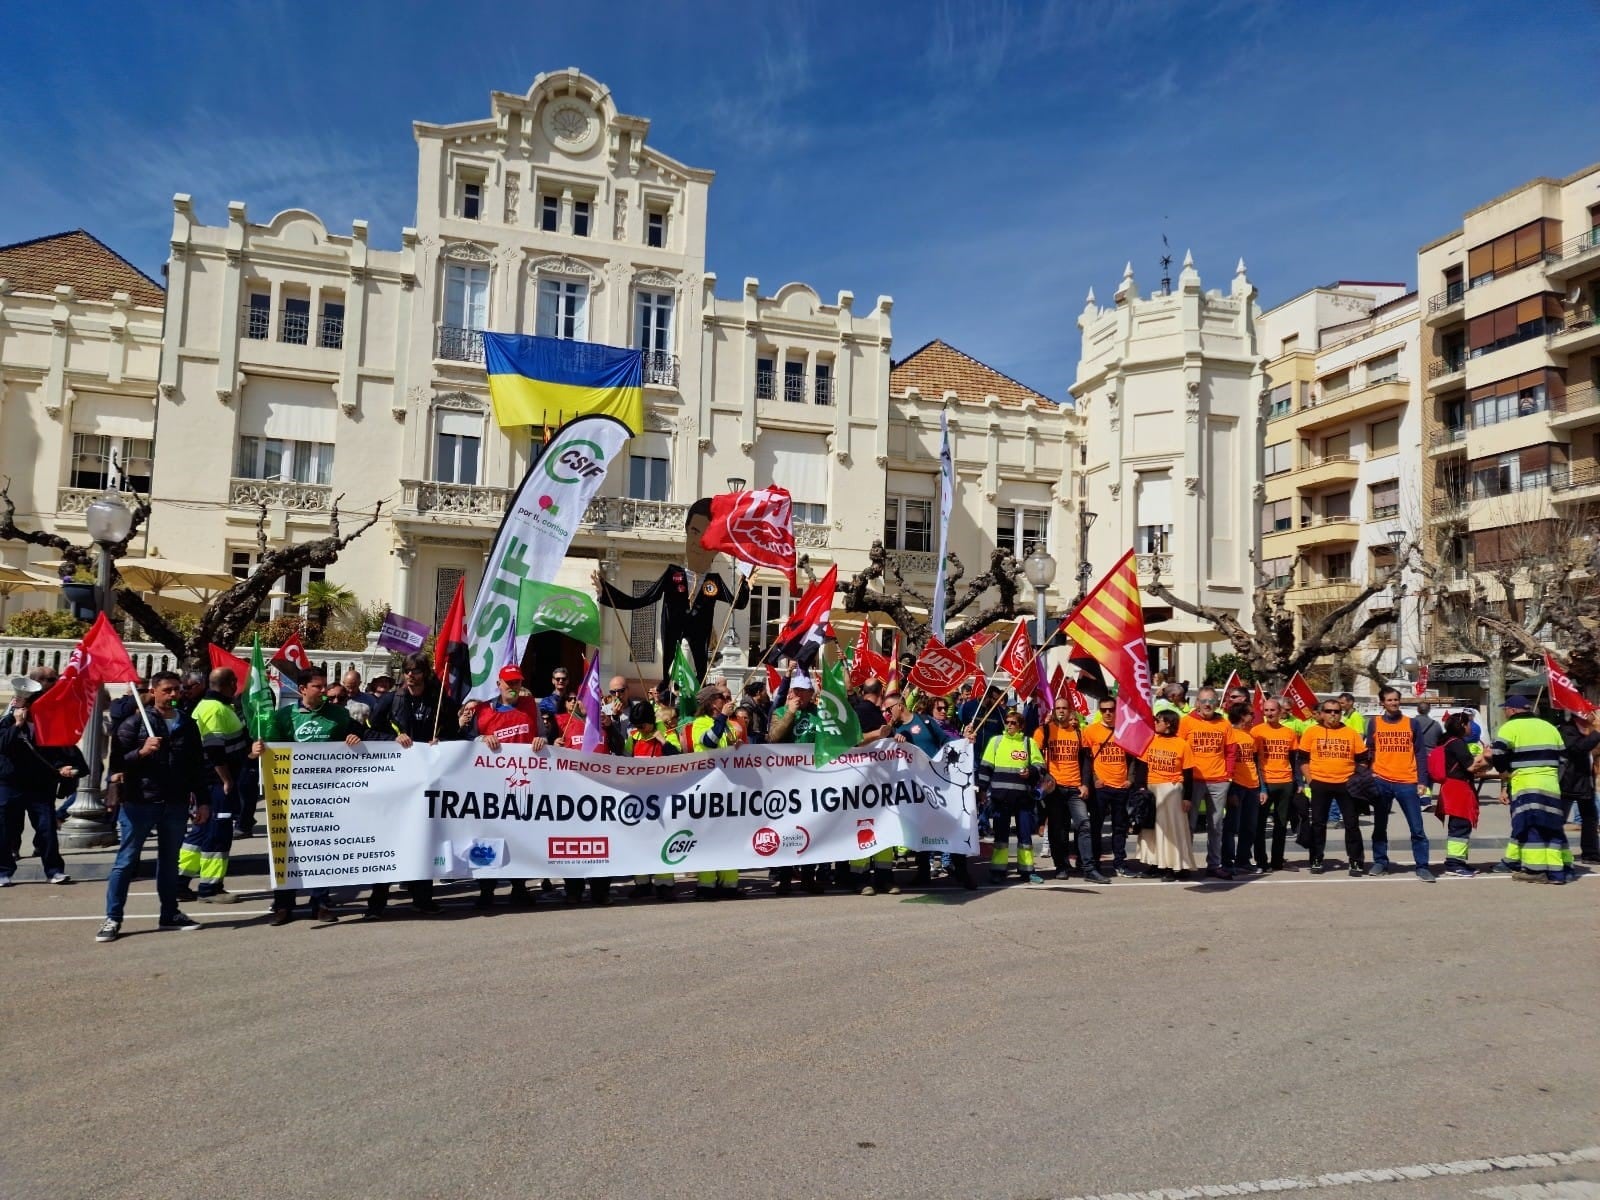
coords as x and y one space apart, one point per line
88 824
735 483
1040 568
1396 537
1086 521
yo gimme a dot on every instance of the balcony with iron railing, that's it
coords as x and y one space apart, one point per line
1575 481
1448 438
1577 255
294 328
330 332
794 389
1579 406
459 344
1579 329
1451 505
1330 408
660 369
1447 305
257 324
1447 372
1317 470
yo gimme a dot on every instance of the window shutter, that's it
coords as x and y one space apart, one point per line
1529 308
1505 254
1536 458
1480 331
1528 248
1480 260
1505 322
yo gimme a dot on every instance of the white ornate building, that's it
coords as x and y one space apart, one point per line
300 366
1170 387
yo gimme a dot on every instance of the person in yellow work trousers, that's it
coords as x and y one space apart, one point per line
712 730
1007 772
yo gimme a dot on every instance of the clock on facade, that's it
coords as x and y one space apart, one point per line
571 124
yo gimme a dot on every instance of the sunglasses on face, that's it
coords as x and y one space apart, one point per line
1330 712
1106 712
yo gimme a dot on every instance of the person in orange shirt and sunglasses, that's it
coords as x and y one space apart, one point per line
1329 750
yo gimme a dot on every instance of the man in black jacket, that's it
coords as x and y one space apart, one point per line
162 777
688 595
32 778
416 711
1580 740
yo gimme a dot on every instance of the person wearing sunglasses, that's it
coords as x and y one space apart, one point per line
1112 781
1166 846
1066 804
1007 772
1329 750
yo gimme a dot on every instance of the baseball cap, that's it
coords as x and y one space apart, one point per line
1518 702
511 674
801 682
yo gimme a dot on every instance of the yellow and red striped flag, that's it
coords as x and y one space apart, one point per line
1109 627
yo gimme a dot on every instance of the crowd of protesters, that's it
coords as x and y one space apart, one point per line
1252 782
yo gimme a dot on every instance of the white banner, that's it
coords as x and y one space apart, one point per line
534 536
377 813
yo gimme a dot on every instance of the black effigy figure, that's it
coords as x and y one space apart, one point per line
688 595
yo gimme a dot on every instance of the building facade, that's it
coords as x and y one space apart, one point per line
1341 465
303 368
1511 355
1169 387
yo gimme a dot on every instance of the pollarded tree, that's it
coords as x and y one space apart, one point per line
226 614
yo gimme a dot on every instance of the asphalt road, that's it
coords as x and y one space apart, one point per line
1044 1041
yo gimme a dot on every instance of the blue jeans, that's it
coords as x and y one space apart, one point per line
1385 795
135 820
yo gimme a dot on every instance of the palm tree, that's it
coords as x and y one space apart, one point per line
322 601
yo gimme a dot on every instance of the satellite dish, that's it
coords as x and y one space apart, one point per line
1576 298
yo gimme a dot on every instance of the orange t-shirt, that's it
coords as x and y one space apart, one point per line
1244 759
1208 741
1168 758
1110 759
1394 753
1060 747
1332 752
1276 748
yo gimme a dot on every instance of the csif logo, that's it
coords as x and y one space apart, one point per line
560 612
678 847
572 462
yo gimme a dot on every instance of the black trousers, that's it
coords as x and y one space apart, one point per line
1323 797
1589 823
420 890
1113 803
1068 814
1283 806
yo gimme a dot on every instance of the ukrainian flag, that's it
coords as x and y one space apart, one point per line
548 381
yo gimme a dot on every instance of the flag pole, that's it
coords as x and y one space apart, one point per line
728 620
628 642
438 711
984 715
133 690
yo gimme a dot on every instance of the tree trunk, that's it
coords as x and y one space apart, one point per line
1497 692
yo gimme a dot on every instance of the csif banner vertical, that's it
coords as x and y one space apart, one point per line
538 528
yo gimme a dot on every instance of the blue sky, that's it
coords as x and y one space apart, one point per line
982 161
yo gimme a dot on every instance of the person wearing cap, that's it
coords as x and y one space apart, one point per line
30 778
1527 751
647 739
512 717
712 730
226 746
795 722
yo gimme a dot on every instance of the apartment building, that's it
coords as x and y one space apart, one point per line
1343 421
1169 387
1511 353
303 367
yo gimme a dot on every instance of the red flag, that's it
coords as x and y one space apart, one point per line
291 657
1421 686
223 658
755 527
802 635
1301 699
1059 682
939 669
773 681
1080 702
1109 626
62 713
1233 682
868 663
1017 660
450 661
1258 700
1562 693
894 679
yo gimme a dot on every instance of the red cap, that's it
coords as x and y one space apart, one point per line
511 674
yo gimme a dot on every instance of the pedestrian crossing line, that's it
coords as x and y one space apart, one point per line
1305 1183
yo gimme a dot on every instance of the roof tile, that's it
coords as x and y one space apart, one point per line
80 260
939 367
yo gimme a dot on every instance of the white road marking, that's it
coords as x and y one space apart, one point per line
1567 1189
234 912
1302 1183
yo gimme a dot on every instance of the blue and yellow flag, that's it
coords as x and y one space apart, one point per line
548 381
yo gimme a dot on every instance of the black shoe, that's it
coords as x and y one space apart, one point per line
481 901
705 893
1358 869
1150 873
1219 873
727 891
1097 877
376 912
427 906
1317 868
178 922
282 916
664 892
108 932
324 912
785 887
185 892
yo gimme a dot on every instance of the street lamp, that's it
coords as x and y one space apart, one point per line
110 522
735 483
1040 568
1086 521
1396 538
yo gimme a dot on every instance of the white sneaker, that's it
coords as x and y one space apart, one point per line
60 877
5 881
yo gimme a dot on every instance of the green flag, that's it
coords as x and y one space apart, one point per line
544 606
260 707
684 681
838 728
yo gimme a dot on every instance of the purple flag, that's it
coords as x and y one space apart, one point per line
402 634
589 693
